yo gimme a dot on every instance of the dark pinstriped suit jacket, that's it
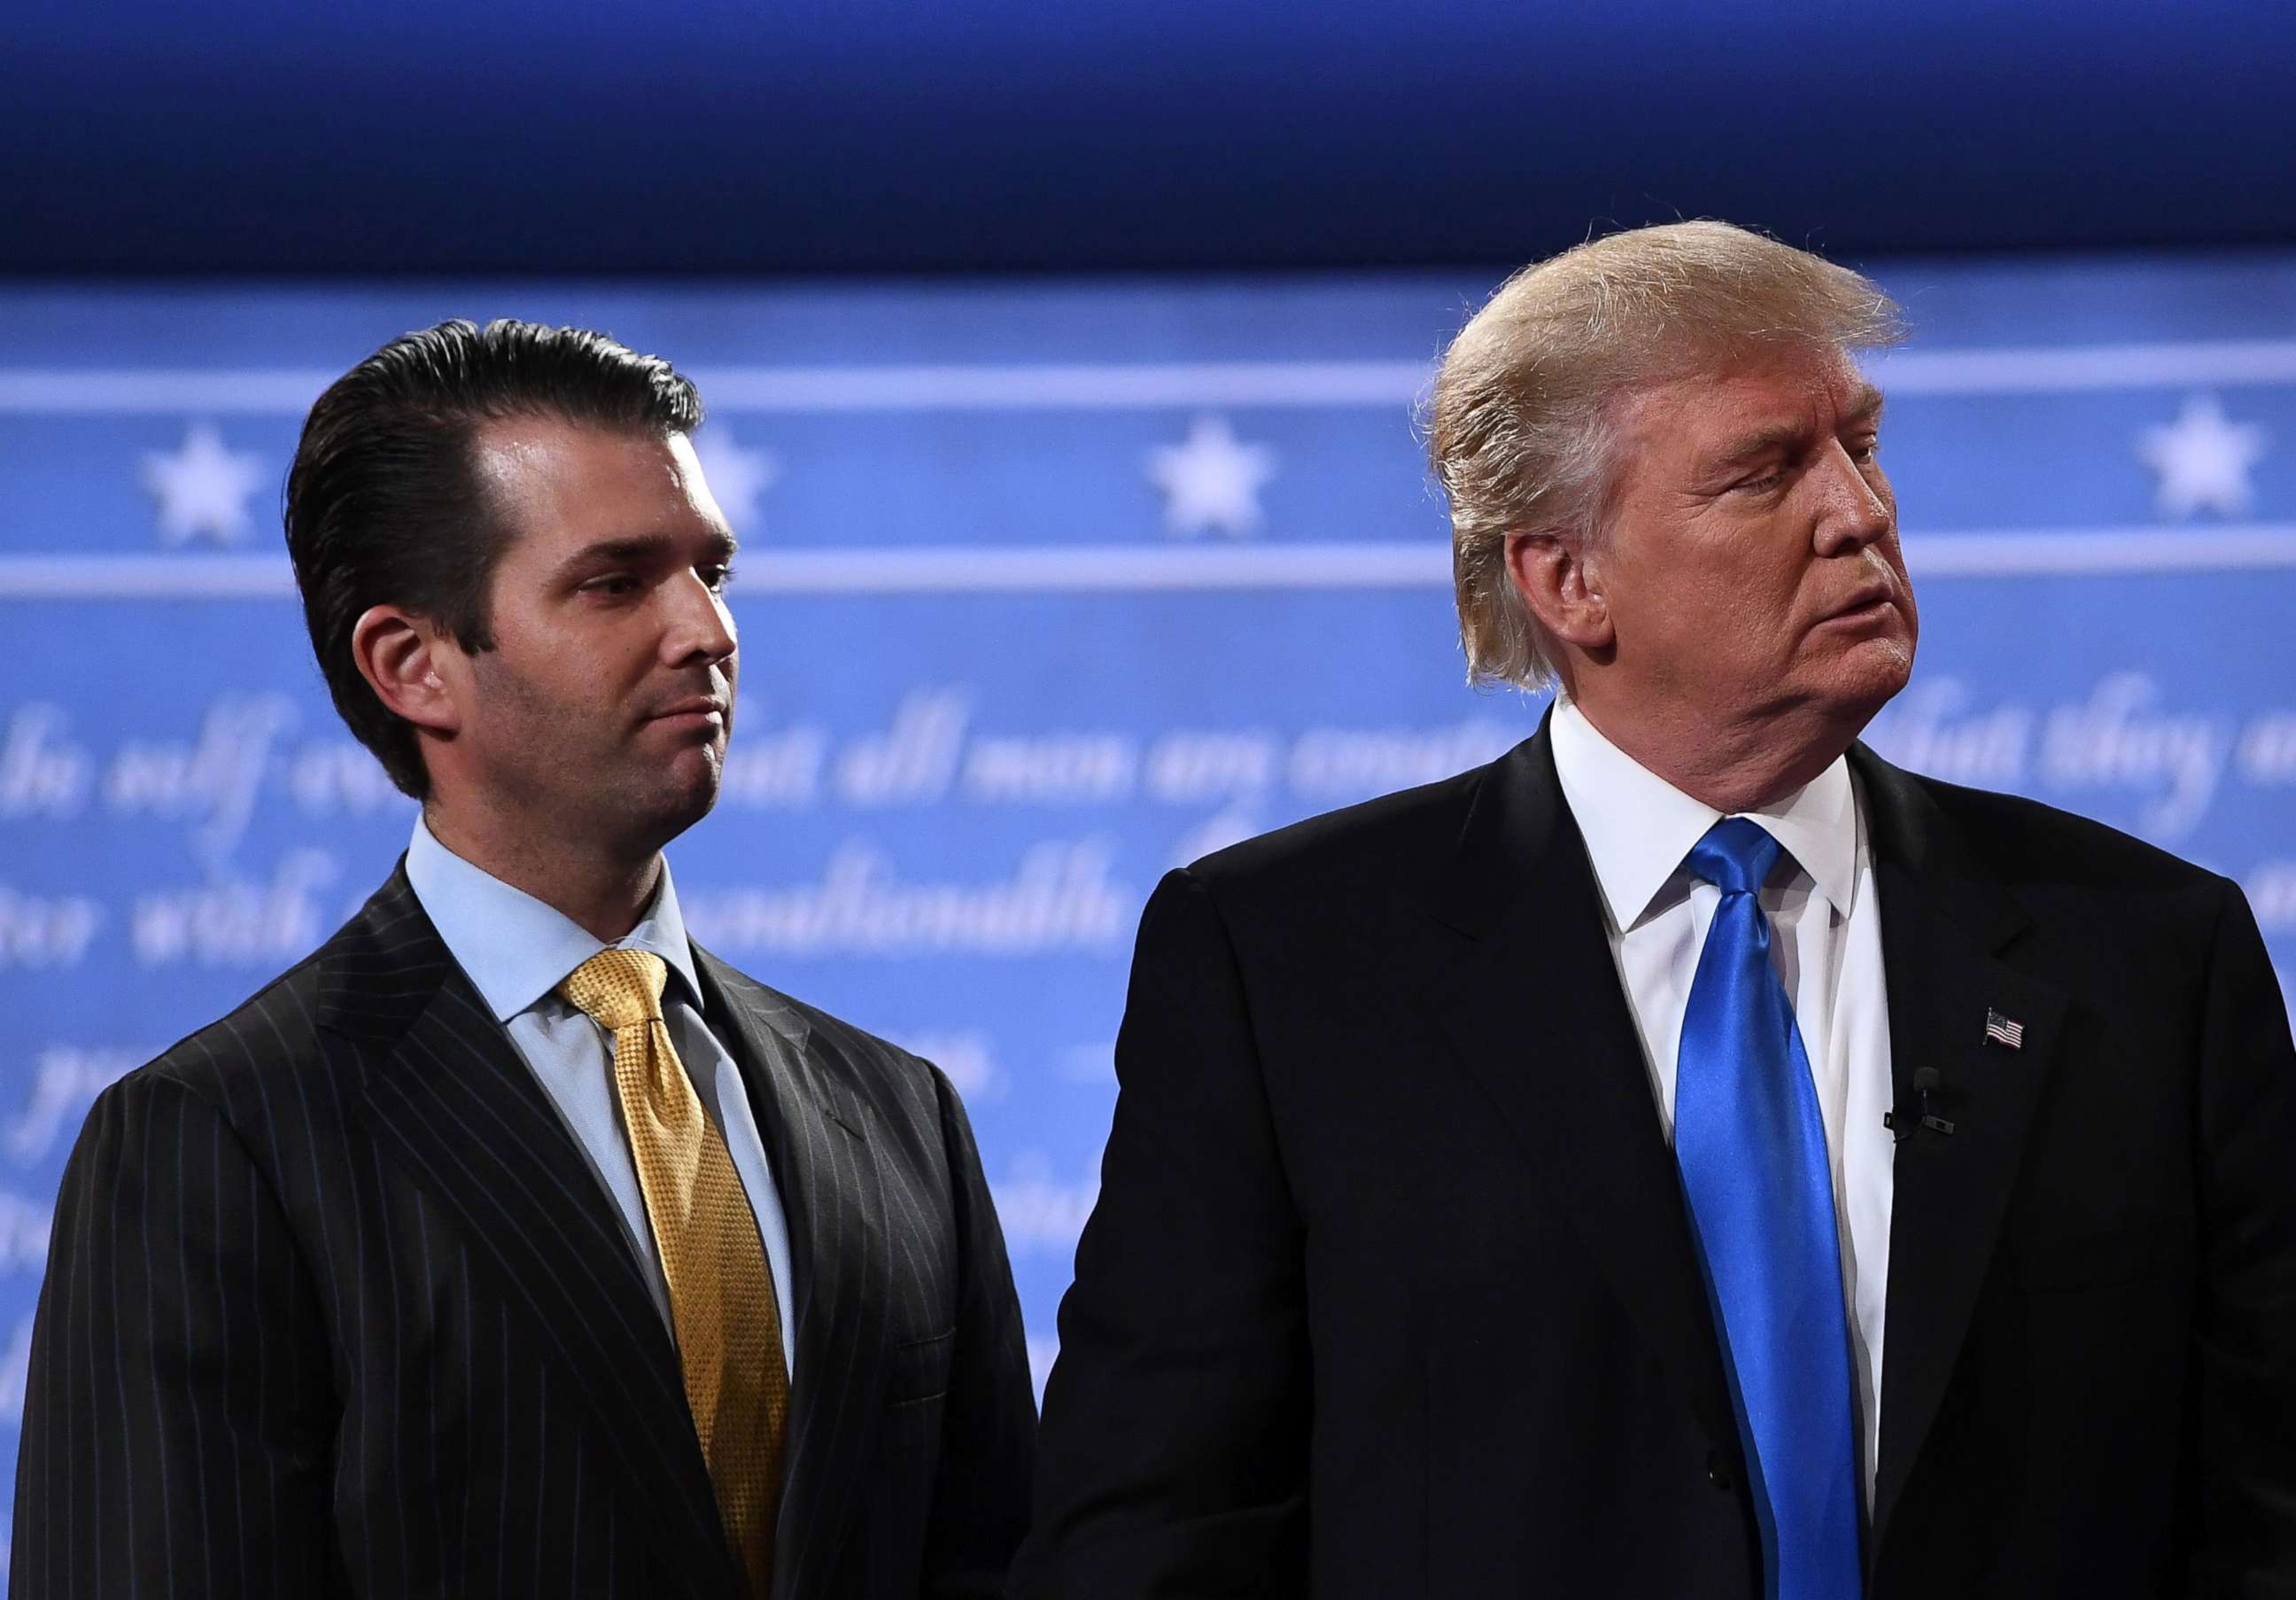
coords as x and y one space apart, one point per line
334 1307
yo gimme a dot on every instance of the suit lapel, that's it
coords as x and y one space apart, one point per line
1537 1013
450 1100
1944 925
817 1131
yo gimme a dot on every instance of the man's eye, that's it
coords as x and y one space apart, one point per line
613 582
717 578
1756 484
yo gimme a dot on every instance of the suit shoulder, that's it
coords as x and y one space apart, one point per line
2027 840
866 1056
275 1029
1405 836
851 1041
2080 877
910 1097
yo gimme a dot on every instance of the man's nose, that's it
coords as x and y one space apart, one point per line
1857 508
700 624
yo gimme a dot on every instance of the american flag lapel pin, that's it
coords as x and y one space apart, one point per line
2000 1031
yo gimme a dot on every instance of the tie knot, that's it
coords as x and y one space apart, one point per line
619 988
1735 855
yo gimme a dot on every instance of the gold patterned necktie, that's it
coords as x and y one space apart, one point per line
721 1292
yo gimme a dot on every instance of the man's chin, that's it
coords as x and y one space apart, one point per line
1871 675
1854 678
674 796
691 800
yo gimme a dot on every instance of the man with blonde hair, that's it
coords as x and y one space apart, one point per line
1514 1179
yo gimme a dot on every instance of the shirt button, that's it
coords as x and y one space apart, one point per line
1717 1471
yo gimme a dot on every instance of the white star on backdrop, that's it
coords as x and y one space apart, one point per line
1211 481
737 474
202 488
2203 458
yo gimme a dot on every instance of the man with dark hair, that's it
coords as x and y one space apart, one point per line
513 1243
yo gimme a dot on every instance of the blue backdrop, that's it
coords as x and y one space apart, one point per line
1048 589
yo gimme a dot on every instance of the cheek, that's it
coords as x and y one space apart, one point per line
1708 597
547 681
606 659
1715 587
519 702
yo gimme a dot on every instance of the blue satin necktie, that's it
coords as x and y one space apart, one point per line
1751 1148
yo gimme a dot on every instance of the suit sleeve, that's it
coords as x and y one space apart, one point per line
988 1426
1173 1456
177 1432
2243 1486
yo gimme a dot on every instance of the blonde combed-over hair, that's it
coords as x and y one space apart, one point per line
1519 422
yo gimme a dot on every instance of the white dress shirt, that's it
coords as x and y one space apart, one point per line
516 950
1826 944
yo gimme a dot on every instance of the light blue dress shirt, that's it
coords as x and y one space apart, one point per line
516 950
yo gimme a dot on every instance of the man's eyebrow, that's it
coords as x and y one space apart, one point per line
1788 436
1792 435
642 547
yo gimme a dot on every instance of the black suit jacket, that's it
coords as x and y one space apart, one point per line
335 1307
1390 1291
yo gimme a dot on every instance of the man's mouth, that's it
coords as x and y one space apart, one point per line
697 708
1867 605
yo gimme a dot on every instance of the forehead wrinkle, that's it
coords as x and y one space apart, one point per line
1862 405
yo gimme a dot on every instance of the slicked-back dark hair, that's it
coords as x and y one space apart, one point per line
384 504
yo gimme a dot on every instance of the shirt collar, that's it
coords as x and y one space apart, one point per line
1638 827
515 948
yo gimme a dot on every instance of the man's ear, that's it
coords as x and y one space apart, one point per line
399 653
1551 572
